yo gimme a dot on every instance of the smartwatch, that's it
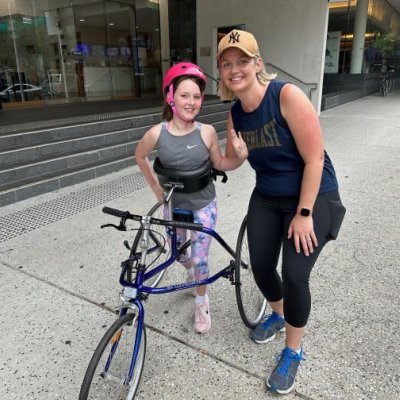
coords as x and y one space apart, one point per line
305 212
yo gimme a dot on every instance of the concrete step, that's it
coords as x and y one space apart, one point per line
33 138
28 173
74 145
17 140
32 172
33 189
42 152
32 163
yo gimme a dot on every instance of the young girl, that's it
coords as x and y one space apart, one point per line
295 207
184 144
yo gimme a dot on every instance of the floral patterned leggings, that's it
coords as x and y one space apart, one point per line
200 242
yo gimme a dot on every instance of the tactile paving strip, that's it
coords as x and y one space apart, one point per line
43 214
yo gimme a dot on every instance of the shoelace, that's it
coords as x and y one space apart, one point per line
287 357
269 320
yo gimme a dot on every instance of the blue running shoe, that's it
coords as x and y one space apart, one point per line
283 376
266 330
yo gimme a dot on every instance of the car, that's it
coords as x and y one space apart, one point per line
13 92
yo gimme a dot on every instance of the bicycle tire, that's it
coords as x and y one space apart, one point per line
160 252
112 386
384 88
251 302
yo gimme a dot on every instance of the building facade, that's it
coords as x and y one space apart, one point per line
56 51
80 49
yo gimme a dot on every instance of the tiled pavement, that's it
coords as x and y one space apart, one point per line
59 270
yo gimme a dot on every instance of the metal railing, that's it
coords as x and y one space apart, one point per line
211 77
310 86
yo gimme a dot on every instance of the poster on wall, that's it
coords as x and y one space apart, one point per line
332 52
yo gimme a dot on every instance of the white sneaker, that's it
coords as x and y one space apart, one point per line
202 319
193 290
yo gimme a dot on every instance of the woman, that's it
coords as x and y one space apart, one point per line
184 144
295 206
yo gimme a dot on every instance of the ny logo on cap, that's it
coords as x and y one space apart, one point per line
234 37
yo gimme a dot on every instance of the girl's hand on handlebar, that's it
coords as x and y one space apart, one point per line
159 192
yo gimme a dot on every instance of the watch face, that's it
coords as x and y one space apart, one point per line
305 212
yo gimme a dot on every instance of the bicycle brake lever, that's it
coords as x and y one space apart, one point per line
120 227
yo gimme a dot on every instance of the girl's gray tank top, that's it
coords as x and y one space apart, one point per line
186 153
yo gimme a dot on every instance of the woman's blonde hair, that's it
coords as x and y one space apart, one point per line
263 78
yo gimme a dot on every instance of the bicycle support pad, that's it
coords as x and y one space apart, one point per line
193 180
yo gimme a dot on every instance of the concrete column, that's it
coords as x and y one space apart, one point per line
360 26
164 29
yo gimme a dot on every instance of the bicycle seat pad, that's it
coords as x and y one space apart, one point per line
192 181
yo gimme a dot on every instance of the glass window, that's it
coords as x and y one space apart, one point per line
79 49
382 38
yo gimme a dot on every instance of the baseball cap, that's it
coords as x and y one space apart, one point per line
242 40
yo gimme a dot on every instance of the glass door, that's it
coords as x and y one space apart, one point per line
134 47
120 20
89 52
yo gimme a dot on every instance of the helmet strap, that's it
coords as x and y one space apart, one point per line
171 102
170 97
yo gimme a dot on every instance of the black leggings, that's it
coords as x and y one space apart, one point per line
268 224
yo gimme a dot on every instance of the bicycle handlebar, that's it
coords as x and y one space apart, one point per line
127 215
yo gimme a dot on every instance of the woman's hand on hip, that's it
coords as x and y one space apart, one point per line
301 229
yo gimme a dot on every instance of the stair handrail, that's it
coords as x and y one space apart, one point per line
211 77
313 85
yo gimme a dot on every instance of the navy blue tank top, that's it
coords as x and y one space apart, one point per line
272 150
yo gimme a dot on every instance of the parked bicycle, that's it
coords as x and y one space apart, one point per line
116 366
386 83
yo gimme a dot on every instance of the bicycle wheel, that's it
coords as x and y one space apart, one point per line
250 300
384 88
158 249
107 373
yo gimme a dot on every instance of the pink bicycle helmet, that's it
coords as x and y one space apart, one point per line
183 68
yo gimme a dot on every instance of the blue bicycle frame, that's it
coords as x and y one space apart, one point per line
133 291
